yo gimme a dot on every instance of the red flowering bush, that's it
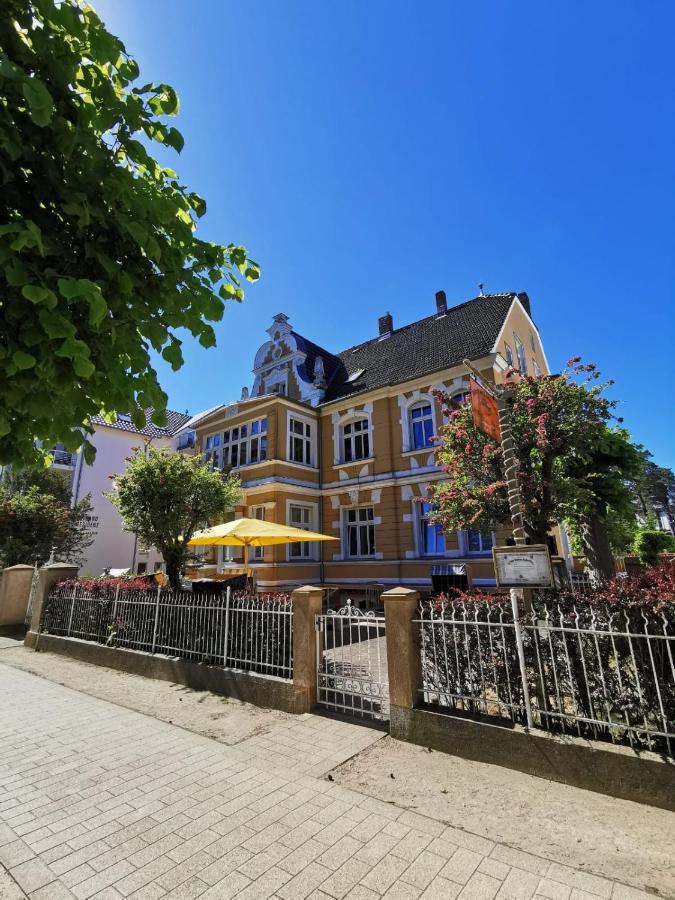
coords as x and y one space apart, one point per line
652 590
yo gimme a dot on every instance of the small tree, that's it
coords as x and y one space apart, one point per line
100 264
36 517
649 542
571 464
165 497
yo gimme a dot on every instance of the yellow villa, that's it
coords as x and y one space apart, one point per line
343 443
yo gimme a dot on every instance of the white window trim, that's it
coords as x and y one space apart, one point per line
276 377
417 521
314 427
517 340
508 349
213 456
253 551
348 420
344 533
313 526
418 399
463 539
247 440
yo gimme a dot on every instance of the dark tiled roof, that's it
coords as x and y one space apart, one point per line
467 331
175 422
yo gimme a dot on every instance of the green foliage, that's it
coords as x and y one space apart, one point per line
99 260
571 463
164 498
36 517
649 542
655 491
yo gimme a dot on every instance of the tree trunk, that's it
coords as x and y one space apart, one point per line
174 559
599 557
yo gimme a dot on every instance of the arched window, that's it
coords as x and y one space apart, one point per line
356 440
421 424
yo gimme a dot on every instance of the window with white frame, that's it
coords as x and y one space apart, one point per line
356 440
245 444
300 441
520 353
421 425
532 342
432 539
300 517
509 355
478 541
360 532
211 454
536 367
258 441
258 553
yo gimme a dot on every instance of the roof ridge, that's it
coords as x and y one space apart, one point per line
435 315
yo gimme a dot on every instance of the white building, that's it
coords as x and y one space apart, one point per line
114 548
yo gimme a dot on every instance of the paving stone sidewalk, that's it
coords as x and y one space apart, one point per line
100 801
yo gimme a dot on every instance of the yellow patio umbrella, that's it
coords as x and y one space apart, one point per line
254 533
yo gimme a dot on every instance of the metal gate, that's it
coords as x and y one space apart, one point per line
351 656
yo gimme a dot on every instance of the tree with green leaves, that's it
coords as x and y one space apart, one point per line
165 497
655 492
36 518
99 260
574 463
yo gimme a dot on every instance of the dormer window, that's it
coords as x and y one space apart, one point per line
355 376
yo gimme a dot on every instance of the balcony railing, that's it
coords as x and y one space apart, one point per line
62 457
186 441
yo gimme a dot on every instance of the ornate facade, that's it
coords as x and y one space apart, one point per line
343 443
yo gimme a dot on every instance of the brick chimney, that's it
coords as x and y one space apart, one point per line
386 323
441 303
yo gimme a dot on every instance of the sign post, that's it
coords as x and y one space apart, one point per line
499 398
529 566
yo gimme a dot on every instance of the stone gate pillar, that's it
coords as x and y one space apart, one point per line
14 593
48 577
307 605
403 655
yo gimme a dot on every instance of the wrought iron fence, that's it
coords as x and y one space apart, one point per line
589 670
233 630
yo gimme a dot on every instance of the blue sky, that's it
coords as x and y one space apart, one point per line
371 153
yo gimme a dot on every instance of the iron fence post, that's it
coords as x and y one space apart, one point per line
154 631
515 608
117 593
226 629
72 610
